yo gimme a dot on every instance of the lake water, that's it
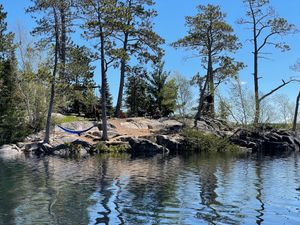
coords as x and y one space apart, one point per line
193 189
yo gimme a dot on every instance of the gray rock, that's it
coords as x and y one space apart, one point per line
144 146
171 143
10 152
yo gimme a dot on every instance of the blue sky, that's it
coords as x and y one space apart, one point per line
170 24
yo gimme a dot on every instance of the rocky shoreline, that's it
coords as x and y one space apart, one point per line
148 137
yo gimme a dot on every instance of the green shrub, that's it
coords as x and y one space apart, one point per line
103 148
200 141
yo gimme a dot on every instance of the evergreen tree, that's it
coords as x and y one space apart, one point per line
109 100
12 121
169 97
155 83
212 38
162 93
137 38
99 24
136 96
79 74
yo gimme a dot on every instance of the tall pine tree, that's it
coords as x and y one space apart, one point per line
12 121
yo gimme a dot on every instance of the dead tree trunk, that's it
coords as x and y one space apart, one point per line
296 113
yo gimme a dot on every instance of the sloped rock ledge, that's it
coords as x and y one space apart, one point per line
267 141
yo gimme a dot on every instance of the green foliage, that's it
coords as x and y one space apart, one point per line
223 110
103 148
67 119
169 96
136 96
76 94
212 38
12 117
162 93
200 141
109 100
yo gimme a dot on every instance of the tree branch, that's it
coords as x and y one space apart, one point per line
276 89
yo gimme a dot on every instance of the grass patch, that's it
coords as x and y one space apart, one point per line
67 119
202 142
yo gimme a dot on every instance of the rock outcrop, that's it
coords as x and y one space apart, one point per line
147 137
140 146
268 141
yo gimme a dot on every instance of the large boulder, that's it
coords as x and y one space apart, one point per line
216 127
145 147
10 152
173 143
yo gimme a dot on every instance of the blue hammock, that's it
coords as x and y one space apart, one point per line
74 131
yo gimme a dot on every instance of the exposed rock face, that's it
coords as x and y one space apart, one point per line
216 127
143 146
269 141
173 143
11 152
148 137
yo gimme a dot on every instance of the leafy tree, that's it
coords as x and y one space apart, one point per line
33 80
99 24
211 37
136 95
265 27
137 38
184 98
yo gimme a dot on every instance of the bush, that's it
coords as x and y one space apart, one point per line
103 148
200 141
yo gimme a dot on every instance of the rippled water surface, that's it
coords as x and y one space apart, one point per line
193 189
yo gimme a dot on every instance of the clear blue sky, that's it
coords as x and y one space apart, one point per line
170 24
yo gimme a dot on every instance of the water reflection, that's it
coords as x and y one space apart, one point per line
192 189
259 195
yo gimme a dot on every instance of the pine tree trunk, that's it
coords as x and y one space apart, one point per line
103 89
201 101
122 77
63 39
121 89
52 95
211 89
256 90
296 113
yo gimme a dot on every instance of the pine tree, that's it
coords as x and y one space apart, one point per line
137 38
12 121
136 96
212 38
99 25
109 101
162 93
